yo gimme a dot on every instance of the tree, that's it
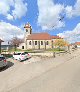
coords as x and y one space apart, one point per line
60 43
15 41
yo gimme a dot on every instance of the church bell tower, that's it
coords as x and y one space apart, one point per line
28 29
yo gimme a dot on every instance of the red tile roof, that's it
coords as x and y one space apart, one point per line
39 36
42 36
77 43
55 37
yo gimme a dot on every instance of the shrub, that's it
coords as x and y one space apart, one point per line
7 55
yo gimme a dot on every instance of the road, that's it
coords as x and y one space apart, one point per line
65 78
45 77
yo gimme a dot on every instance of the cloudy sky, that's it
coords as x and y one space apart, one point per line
57 17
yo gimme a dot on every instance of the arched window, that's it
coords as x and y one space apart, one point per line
47 43
41 42
35 42
22 47
29 42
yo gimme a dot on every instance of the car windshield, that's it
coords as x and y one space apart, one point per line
23 54
17 53
26 52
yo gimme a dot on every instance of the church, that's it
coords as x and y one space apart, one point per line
41 40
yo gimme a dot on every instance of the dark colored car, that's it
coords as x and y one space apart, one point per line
3 61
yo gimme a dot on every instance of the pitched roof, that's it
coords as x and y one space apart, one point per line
77 43
56 37
39 36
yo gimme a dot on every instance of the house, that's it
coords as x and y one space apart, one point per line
37 40
77 44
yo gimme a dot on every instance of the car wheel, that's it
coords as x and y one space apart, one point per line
19 59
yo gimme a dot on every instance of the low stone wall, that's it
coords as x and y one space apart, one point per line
50 54
47 54
42 54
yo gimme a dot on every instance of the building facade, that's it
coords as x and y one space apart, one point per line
37 40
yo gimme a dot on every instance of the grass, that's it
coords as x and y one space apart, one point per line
32 51
17 50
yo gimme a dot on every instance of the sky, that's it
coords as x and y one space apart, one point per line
57 17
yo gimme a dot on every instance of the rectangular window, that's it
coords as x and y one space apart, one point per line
41 42
35 42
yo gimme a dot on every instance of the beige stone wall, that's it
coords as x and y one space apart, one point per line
29 46
20 46
33 46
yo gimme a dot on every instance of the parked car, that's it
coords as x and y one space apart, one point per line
3 61
28 55
20 56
